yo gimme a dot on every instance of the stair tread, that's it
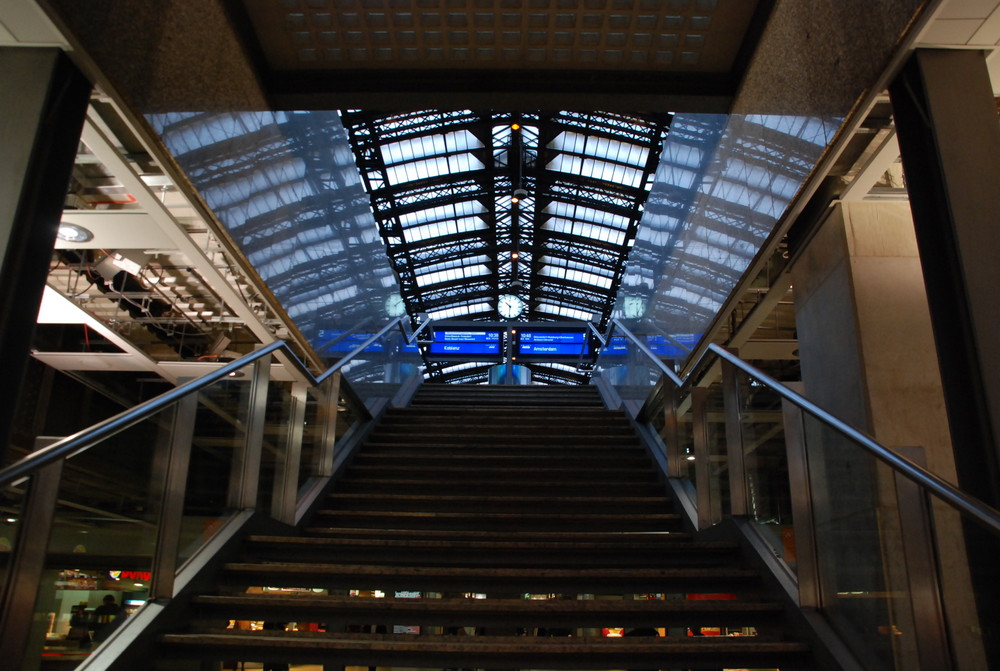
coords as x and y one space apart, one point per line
506 470
531 458
446 606
655 645
665 545
306 568
472 515
382 482
540 500
503 536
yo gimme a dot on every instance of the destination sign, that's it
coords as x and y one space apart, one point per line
348 343
565 337
464 348
466 343
554 349
467 336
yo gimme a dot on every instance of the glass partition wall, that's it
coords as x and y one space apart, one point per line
131 509
858 540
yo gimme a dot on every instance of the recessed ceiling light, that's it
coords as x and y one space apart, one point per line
74 233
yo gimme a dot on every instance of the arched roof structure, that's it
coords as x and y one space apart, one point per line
472 206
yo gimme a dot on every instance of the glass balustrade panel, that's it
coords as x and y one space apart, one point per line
685 445
220 432
862 578
99 559
969 612
314 422
278 439
765 461
718 454
630 370
11 510
382 367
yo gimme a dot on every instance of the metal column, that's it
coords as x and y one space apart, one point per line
27 562
245 475
172 474
703 464
286 476
44 104
733 404
949 140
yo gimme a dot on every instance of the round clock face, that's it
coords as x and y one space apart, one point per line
509 306
395 306
633 307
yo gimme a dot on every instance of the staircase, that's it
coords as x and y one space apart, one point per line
471 499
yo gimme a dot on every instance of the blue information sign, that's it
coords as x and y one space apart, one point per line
348 343
673 347
553 343
466 343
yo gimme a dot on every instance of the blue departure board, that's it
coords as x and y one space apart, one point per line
466 343
553 343
348 343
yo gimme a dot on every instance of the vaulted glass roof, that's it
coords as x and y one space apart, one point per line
344 213
476 205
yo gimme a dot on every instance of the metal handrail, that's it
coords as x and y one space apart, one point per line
970 505
86 438
978 510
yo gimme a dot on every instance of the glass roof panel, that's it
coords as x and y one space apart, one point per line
432 204
451 274
286 187
720 189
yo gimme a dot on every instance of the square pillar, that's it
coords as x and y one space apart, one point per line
43 101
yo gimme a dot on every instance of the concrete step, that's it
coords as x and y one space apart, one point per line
547 474
453 651
471 520
516 580
659 552
525 459
589 436
445 502
576 487
404 445
500 536
525 613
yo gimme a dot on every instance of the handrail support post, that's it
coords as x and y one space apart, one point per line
922 569
803 518
733 403
702 456
328 442
172 479
286 475
27 563
245 474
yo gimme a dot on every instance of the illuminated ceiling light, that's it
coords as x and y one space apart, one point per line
74 233
515 126
690 457
515 255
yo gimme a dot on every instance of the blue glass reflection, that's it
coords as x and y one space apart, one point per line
722 185
285 186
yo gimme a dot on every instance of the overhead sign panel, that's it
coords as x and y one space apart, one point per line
466 343
553 343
